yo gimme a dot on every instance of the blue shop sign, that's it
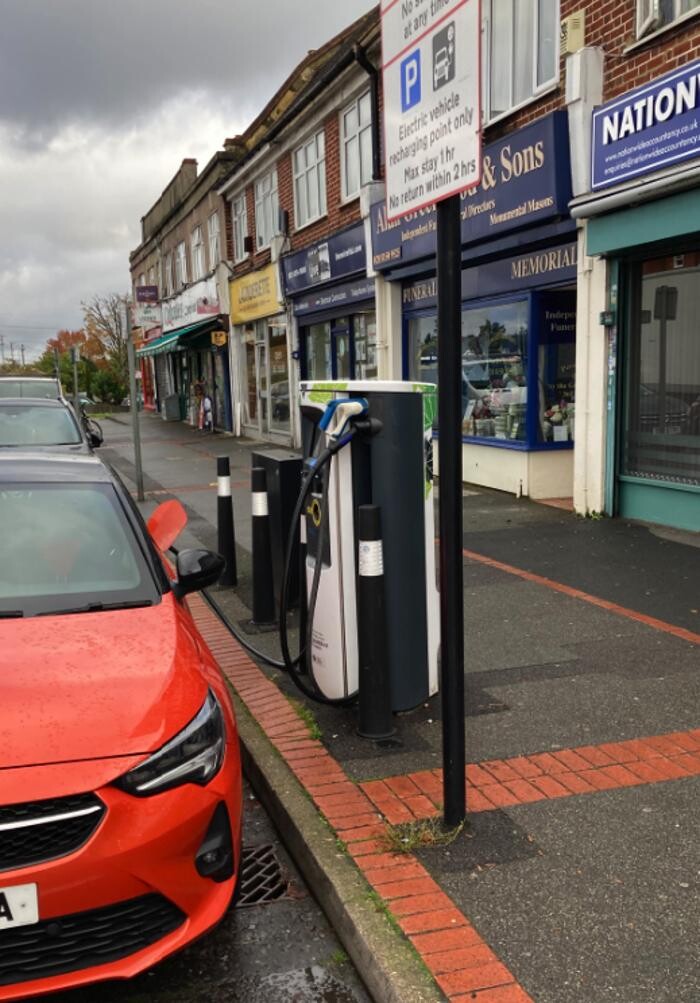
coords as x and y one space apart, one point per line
336 296
647 129
339 256
526 180
538 268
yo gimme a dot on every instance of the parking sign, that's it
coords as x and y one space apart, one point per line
432 100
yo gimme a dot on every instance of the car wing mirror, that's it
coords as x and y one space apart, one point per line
166 523
95 440
197 569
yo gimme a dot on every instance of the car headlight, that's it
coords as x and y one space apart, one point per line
194 756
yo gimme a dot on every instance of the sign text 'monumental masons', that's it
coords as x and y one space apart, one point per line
675 99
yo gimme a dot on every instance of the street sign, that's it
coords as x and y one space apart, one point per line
432 109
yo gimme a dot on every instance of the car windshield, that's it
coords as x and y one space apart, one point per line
68 548
33 425
42 389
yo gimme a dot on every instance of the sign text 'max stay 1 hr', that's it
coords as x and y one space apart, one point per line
432 111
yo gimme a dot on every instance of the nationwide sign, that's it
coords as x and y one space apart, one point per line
648 128
432 109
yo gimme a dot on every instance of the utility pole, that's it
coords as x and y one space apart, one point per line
2 348
131 356
75 356
21 349
12 352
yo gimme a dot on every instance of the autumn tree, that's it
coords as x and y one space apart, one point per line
105 322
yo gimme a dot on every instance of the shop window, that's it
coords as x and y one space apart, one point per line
214 241
318 352
266 209
239 213
364 326
197 254
180 265
356 146
661 439
521 52
503 346
310 180
655 14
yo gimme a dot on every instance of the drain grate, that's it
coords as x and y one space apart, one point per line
262 879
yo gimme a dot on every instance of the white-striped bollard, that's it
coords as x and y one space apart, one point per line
263 587
227 536
374 682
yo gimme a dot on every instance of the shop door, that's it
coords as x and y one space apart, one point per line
263 385
279 404
659 465
342 349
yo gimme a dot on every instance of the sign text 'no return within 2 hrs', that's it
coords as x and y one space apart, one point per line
432 109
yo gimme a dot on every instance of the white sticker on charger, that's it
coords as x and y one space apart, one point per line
371 558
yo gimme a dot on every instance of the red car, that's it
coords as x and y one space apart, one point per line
120 773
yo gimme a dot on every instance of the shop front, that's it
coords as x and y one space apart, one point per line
333 308
263 354
644 220
518 340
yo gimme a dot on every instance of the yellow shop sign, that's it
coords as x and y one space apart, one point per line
255 296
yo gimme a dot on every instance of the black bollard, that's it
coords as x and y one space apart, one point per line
227 535
374 681
263 584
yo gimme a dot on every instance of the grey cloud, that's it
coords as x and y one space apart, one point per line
109 61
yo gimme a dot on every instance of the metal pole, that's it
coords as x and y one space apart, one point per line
131 357
375 719
226 531
75 353
449 293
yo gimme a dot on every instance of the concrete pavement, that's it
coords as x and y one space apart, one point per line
576 878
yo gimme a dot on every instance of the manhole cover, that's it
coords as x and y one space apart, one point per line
261 877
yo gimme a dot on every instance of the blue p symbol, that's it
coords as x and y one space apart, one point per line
410 80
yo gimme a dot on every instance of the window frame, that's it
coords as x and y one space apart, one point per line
345 140
168 273
538 90
197 253
239 221
266 209
181 265
214 240
317 171
649 17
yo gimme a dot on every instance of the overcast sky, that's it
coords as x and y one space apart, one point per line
100 100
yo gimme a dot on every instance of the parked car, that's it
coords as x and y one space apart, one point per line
120 773
34 423
45 387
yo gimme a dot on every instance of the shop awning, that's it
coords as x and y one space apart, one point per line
170 342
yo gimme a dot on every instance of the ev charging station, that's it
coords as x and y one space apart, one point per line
389 464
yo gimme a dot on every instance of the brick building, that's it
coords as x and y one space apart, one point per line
184 251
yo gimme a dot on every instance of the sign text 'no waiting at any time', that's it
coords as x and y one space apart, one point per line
432 109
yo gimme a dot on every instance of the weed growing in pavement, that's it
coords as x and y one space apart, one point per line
307 717
381 907
338 957
416 835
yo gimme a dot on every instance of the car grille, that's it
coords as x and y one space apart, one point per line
41 830
85 939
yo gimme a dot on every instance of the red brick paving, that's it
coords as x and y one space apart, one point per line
463 965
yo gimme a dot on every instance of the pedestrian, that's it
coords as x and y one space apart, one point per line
207 412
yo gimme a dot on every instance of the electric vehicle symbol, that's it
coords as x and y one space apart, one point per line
444 56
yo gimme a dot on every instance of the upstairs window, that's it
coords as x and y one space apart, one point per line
655 14
168 274
180 265
151 276
214 240
310 180
239 212
197 254
266 210
356 146
521 52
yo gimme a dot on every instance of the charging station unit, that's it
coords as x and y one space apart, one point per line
391 469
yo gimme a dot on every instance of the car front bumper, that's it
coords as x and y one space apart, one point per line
132 894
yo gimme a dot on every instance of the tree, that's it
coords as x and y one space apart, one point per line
105 323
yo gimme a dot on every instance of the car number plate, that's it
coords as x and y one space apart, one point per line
19 906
